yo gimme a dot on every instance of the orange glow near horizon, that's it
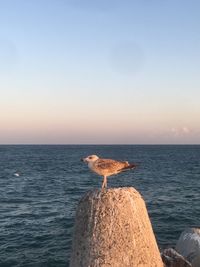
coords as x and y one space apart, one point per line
36 124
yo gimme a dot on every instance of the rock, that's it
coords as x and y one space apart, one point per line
196 261
171 258
113 229
188 245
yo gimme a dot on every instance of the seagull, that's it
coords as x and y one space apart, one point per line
107 167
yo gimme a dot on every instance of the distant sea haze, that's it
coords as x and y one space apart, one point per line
40 186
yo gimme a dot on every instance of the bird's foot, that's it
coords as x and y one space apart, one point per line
103 189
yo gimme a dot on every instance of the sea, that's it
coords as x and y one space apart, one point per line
41 185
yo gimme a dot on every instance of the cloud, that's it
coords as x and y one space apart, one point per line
179 131
186 130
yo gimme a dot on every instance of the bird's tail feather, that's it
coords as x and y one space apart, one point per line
130 166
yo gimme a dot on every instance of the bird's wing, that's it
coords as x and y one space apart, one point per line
110 164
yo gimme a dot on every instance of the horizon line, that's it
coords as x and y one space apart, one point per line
101 144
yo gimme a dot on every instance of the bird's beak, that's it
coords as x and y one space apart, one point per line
83 159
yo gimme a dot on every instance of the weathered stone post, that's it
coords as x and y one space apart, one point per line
113 229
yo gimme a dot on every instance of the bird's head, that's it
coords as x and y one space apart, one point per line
90 158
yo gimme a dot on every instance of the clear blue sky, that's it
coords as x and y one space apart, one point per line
99 71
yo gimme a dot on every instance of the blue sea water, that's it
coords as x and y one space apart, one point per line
37 206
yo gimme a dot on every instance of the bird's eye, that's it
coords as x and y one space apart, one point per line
90 157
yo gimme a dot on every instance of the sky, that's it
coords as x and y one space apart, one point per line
99 72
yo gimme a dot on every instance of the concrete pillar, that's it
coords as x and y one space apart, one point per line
112 229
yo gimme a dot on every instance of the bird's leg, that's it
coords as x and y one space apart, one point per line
104 184
105 181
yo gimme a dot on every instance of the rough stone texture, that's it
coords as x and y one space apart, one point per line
196 261
188 245
113 229
173 259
